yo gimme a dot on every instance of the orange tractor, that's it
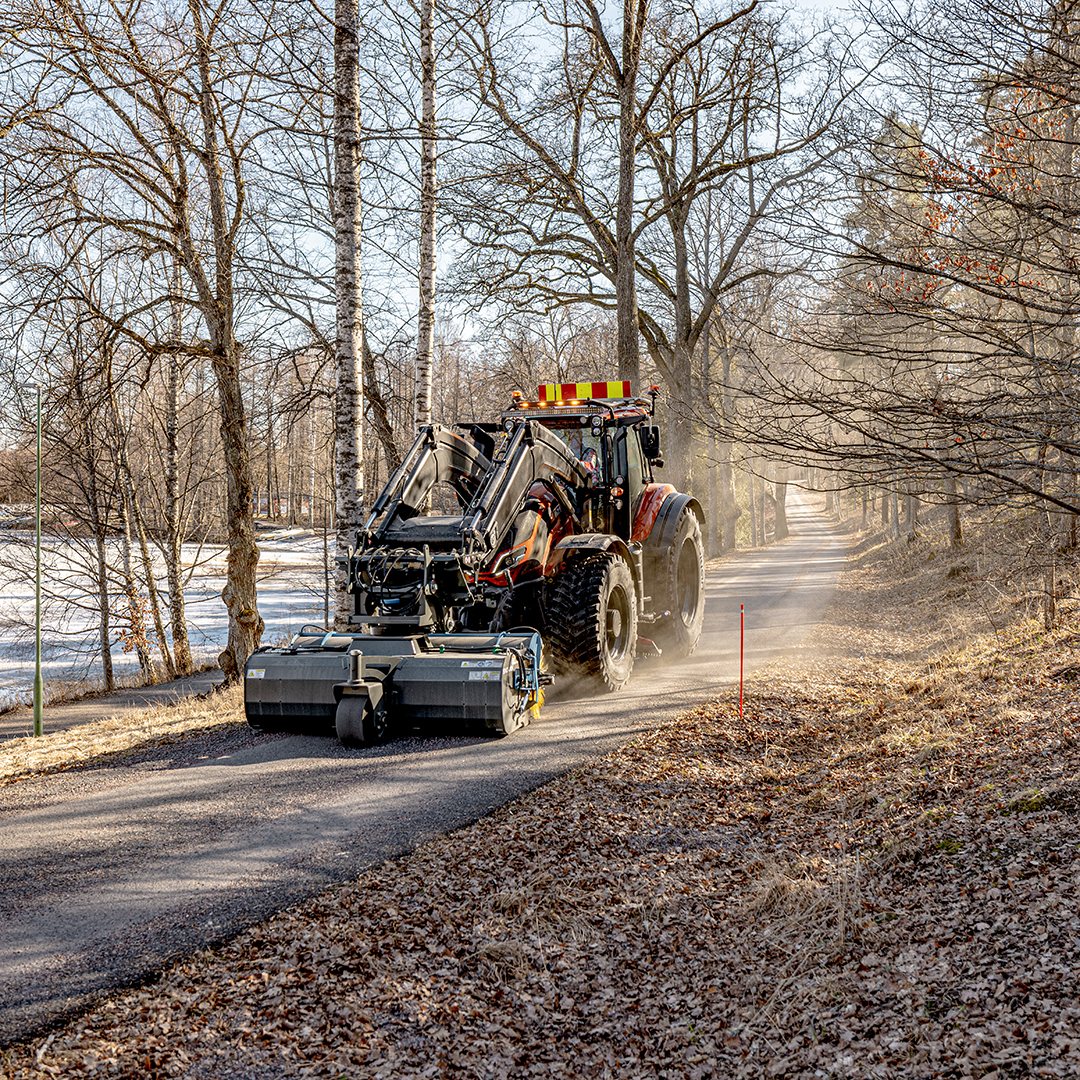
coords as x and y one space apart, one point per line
498 551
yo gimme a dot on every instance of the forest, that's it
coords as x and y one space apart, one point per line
245 249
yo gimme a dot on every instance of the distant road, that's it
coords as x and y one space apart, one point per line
111 873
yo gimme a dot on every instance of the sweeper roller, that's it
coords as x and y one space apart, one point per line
353 684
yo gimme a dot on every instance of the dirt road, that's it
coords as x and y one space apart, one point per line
110 873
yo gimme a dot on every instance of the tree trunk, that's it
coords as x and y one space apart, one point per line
311 491
101 571
425 323
172 539
291 498
239 594
762 530
272 509
380 413
137 640
780 487
99 526
132 516
712 489
626 313
349 338
755 539
956 532
680 459
216 302
730 511
911 512
148 575
714 511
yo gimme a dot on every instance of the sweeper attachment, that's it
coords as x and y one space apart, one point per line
498 551
355 683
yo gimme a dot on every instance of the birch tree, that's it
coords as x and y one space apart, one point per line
349 341
425 323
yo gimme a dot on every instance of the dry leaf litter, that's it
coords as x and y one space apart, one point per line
874 874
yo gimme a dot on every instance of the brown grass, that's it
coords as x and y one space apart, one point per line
86 743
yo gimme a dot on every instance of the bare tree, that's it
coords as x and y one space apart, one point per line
348 399
425 323
941 363
139 138
716 96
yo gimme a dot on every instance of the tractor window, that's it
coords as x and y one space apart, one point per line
588 450
636 475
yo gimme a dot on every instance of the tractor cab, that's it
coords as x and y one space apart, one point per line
613 435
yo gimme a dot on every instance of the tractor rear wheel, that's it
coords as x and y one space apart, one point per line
592 621
680 588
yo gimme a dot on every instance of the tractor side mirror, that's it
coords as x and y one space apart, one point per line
650 443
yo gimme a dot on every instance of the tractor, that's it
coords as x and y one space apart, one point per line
498 557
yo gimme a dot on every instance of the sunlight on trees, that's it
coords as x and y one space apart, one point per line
846 251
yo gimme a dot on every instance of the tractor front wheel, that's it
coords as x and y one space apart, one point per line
681 588
592 622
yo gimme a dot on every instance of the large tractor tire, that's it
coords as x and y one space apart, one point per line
680 588
592 622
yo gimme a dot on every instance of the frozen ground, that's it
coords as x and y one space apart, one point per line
290 593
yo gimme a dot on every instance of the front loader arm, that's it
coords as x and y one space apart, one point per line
529 453
437 454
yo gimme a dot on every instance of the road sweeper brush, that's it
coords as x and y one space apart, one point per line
356 683
498 551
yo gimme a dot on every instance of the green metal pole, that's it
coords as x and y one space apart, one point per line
38 687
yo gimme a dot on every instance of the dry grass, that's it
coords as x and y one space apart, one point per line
87 743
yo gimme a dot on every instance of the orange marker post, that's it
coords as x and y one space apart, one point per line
742 641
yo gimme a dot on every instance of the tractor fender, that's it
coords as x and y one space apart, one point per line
595 543
667 521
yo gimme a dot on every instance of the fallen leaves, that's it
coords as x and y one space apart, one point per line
874 874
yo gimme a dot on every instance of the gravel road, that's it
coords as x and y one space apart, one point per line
110 873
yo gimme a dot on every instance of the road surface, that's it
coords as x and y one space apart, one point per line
111 873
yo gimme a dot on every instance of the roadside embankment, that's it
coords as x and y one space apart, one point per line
120 729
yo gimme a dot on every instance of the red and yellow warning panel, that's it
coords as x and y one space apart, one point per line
579 391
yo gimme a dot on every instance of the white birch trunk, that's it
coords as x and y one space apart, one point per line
425 323
348 403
